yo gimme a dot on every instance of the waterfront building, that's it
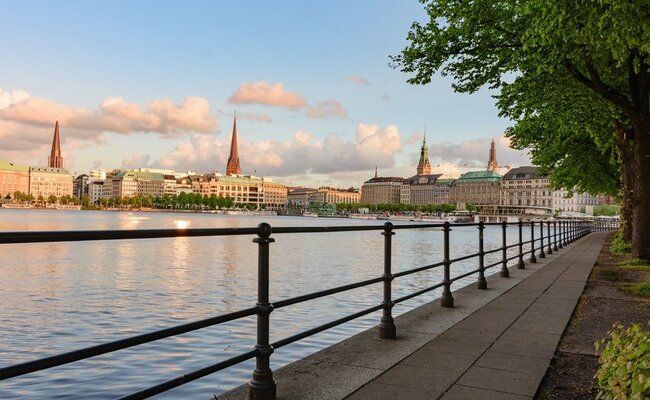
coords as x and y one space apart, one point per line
422 189
80 185
577 202
100 174
263 193
184 185
56 159
524 190
382 190
442 189
480 188
46 181
299 197
133 183
331 195
13 178
176 175
233 167
169 185
100 189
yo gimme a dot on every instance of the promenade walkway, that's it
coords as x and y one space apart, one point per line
496 344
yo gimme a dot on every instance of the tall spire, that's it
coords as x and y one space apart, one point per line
492 162
376 172
55 160
424 167
233 167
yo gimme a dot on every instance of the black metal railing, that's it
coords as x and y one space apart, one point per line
262 384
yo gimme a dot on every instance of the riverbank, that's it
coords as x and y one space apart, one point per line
603 302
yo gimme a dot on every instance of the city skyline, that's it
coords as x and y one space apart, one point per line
304 118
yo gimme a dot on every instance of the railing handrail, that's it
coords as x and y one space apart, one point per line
262 383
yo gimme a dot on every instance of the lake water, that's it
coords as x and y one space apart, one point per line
57 297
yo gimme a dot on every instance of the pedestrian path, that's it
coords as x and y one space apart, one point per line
501 351
495 344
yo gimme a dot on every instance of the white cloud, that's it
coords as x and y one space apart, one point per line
262 92
327 109
474 155
12 97
114 114
135 161
303 154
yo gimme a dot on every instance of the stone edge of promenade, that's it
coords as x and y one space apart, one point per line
343 368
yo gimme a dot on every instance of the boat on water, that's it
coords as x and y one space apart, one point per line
309 214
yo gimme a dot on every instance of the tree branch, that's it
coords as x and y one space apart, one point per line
597 85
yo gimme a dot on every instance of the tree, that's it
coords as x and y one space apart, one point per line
554 63
51 199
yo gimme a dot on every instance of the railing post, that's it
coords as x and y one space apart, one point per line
387 329
481 283
504 263
549 250
521 264
561 234
555 235
446 300
533 259
565 232
541 240
262 386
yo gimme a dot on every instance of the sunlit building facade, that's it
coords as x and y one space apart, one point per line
13 178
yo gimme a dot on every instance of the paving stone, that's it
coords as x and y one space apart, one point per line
511 302
445 345
432 380
471 334
533 344
500 380
513 362
382 391
540 323
460 392
455 363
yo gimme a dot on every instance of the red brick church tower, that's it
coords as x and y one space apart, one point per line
492 162
233 167
55 160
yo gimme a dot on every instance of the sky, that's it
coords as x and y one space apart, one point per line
156 84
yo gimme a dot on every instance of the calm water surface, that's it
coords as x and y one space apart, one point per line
58 297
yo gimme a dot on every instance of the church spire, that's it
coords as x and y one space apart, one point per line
492 162
376 172
233 167
424 167
55 160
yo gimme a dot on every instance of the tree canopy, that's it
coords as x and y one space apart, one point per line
573 75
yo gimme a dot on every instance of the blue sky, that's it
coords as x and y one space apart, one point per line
316 99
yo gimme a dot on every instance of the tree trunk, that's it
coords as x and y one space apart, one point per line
641 190
627 178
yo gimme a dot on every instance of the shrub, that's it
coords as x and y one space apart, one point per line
624 371
619 245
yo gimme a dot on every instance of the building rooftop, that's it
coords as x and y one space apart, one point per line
423 179
528 172
479 176
140 175
49 170
7 166
385 179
